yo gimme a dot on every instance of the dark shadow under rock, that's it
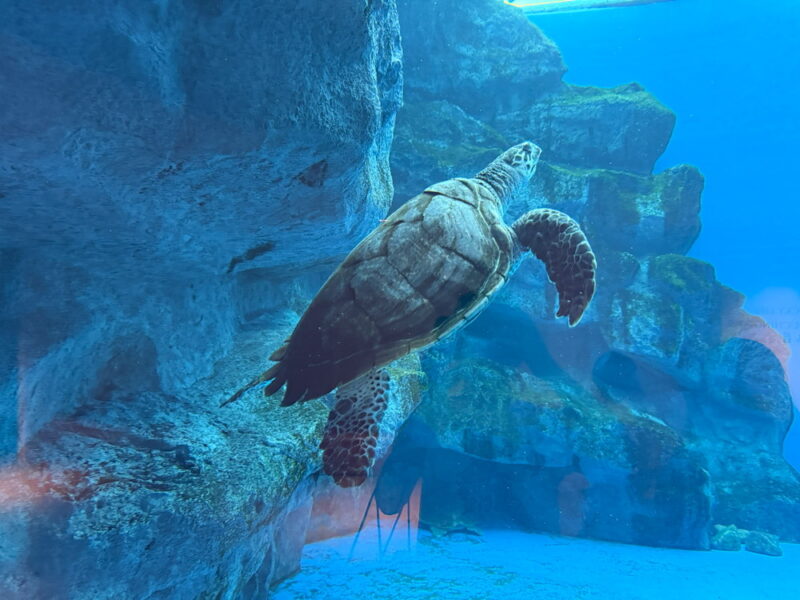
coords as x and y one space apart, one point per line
660 505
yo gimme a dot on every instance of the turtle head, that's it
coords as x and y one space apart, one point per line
507 173
523 158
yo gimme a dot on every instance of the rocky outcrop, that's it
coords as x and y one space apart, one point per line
438 140
624 128
665 410
176 181
731 538
155 164
481 57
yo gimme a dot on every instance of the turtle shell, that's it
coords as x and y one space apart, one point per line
426 270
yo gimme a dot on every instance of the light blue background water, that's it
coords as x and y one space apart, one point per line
731 72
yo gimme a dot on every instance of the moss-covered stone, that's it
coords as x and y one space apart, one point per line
437 140
503 415
682 275
728 538
560 187
623 128
616 196
642 215
680 189
763 543
446 135
645 323
547 427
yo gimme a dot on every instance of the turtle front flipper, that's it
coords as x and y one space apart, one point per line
351 434
558 241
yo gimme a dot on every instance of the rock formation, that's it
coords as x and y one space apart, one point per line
652 419
176 181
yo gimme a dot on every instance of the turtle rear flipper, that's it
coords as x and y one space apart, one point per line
351 435
558 241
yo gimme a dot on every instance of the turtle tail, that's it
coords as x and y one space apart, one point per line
558 241
275 374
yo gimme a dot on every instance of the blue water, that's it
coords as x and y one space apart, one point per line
729 70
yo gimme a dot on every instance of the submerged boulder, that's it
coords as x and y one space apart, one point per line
763 543
730 537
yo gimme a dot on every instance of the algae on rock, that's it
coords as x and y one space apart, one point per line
635 398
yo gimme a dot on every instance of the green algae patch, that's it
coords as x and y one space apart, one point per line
680 187
409 382
679 190
624 211
617 195
682 274
497 413
558 185
632 93
442 134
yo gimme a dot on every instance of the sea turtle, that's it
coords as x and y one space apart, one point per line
426 270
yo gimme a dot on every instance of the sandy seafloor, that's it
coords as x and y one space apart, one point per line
512 565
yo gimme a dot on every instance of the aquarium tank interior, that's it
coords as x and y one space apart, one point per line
399 299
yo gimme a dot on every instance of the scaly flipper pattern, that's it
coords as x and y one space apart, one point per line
351 434
558 241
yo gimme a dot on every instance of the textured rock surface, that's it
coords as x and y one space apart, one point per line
480 55
176 180
730 537
744 416
727 537
664 411
623 128
563 461
148 157
435 141
763 543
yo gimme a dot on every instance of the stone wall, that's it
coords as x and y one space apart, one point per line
176 180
